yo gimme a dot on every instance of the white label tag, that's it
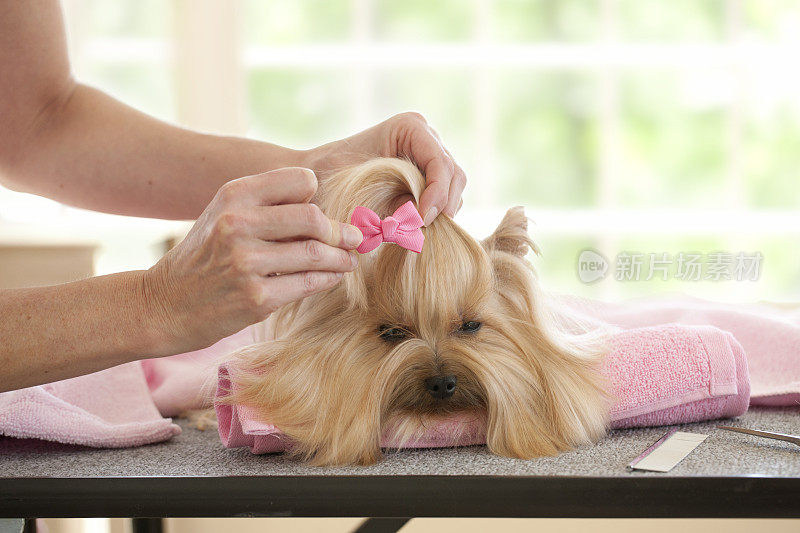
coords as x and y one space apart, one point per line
670 450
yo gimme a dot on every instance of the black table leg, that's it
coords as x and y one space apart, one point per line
147 525
30 526
381 525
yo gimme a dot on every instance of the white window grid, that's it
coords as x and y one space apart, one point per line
609 57
220 25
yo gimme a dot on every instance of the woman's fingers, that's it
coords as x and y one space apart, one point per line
301 256
421 143
302 221
404 135
456 188
291 185
222 276
276 205
288 288
434 198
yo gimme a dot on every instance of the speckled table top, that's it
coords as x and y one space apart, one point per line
197 453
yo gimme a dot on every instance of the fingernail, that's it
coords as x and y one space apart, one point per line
430 216
351 236
354 259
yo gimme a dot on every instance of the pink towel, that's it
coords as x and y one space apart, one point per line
188 381
675 374
659 375
769 334
108 409
119 407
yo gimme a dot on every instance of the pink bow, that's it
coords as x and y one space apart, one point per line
401 228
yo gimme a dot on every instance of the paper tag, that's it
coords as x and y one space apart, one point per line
668 451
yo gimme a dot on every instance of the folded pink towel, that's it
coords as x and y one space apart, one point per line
675 374
121 406
659 375
108 409
768 333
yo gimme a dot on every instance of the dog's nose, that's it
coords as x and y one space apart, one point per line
441 387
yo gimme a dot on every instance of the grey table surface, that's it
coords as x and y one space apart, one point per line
199 453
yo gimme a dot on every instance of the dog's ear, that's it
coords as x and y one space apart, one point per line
511 236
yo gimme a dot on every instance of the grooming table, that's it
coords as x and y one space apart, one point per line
729 475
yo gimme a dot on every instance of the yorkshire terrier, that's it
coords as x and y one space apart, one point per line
407 339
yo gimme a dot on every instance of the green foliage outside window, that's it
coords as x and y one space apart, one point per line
685 137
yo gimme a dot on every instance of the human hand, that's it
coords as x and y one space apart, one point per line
258 245
403 135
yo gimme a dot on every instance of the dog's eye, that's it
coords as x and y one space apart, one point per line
470 326
392 333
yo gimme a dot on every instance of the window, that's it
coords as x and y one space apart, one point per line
623 126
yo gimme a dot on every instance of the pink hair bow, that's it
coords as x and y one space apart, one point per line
401 228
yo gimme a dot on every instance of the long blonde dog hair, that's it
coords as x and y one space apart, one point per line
531 374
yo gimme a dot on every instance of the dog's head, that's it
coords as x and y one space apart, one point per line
408 339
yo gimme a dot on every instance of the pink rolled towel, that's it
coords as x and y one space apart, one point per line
659 375
676 374
769 334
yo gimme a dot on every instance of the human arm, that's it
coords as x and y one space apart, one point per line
79 146
76 145
218 280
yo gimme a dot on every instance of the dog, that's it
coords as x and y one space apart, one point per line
407 339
